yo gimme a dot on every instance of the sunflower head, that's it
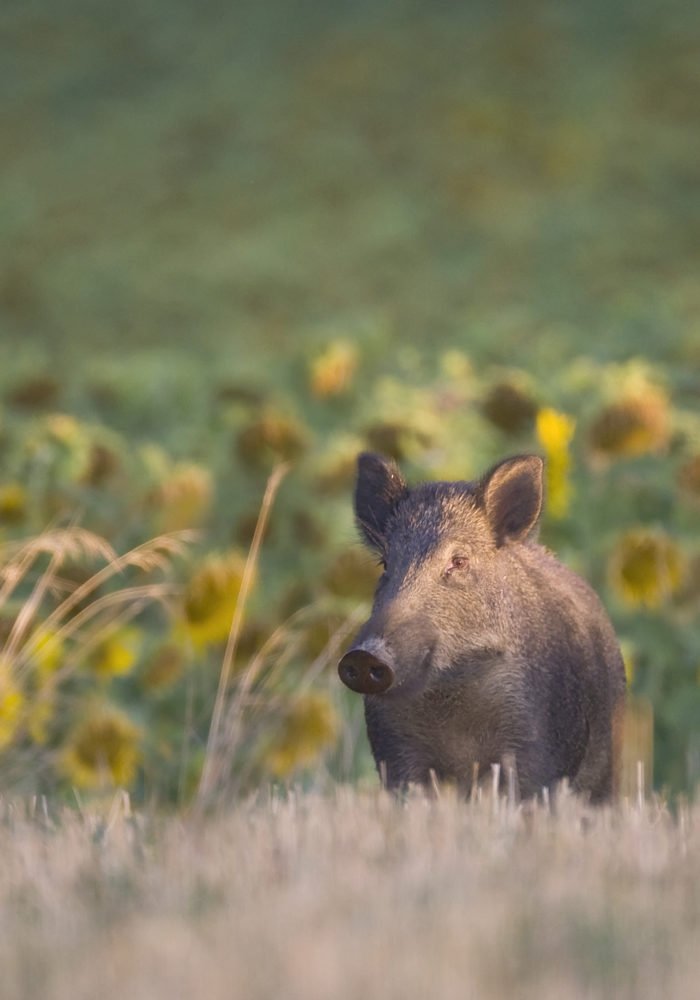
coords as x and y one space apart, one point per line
63 444
13 503
103 462
12 702
35 393
509 407
270 438
116 654
396 438
164 668
210 598
332 371
308 727
555 432
183 498
636 425
47 652
456 365
64 429
646 568
47 657
103 750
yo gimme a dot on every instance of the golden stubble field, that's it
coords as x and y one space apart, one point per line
351 894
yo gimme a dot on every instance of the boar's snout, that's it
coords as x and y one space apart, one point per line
364 672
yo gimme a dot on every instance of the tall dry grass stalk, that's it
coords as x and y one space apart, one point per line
352 895
218 756
261 698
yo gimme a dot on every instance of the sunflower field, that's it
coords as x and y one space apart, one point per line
242 244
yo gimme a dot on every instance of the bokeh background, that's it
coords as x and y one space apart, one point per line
235 235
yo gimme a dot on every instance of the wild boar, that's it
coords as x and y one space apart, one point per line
481 647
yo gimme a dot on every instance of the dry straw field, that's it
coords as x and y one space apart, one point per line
348 893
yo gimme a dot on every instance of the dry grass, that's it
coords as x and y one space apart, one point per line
351 894
218 757
64 609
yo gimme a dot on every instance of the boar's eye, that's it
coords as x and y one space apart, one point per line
458 563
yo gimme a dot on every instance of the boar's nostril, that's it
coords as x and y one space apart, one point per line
365 673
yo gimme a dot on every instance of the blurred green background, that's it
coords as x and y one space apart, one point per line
239 234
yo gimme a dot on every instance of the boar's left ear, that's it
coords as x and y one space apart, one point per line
511 494
379 488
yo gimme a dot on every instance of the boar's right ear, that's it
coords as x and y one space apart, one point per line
379 488
511 494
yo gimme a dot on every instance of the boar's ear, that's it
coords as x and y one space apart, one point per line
511 494
379 488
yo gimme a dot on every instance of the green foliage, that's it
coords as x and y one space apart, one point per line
625 516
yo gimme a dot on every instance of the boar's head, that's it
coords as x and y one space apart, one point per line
447 600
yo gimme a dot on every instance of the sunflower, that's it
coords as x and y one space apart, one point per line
309 725
47 655
35 392
272 437
164 668
332 371
64 428
13 503
398 438
555 431
183 498
103 750
11 705
456 365
635 425
40 712
646 568
210 599
629 660
62 444
509 407
116 654
102 464
47 651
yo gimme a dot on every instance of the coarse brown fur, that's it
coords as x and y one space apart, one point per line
495 651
